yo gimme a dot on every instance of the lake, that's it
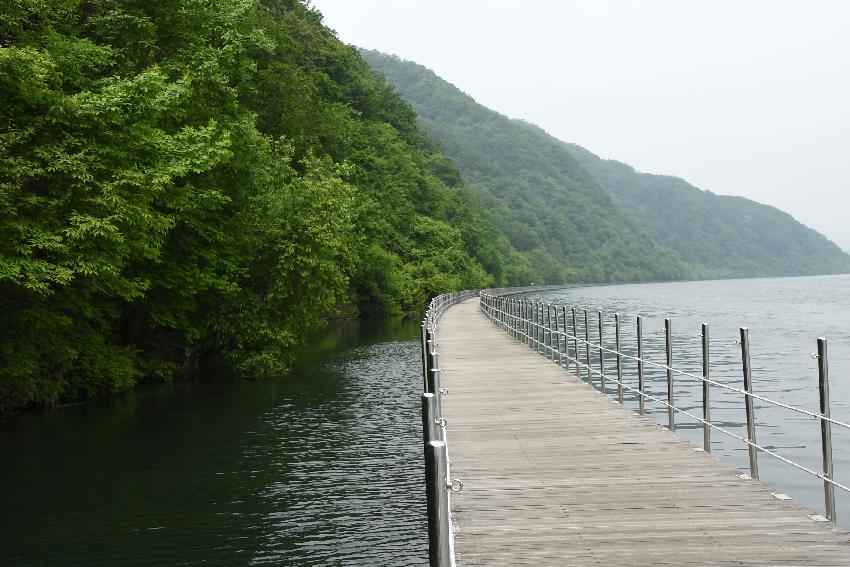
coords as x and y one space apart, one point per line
324 466
785 316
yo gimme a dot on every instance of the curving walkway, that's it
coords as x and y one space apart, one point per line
554 473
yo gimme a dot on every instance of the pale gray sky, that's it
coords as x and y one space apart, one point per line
746 98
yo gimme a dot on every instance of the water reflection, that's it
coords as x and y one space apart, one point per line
319 467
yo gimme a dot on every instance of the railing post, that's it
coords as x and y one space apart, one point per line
429 362
668 340
541 327
538 316
748 402
430 424
825 429
517 319
587 349
536 329
641 401
436 374
552 326
575 342
601 354
619 358
515 311
424 357
558 328
436 491
520 320
541 330
706 408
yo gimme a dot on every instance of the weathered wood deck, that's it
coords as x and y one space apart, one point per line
555 473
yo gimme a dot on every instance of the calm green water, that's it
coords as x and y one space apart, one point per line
320 467
785 316
324 467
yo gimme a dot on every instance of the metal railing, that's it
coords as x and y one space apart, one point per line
439 483
544 328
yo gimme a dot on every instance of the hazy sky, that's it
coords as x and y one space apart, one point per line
746 98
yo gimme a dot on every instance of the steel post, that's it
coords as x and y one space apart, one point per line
429 362
575 342
619 357
437 496
535 329
587 349
436 374
430 424
668 341
825 429
641 400
601 354
424 357
748 402
560 333
706 406
553 326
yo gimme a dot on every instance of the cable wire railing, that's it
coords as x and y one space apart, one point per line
439 483
545 328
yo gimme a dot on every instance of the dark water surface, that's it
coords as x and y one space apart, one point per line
323 467
785 316
320 467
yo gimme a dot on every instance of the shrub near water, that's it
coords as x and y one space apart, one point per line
182 179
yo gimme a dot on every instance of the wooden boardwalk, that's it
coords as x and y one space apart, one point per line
554 473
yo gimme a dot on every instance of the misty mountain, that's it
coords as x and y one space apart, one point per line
718 236
559 203
549 207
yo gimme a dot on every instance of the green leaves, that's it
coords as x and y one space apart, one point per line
186 179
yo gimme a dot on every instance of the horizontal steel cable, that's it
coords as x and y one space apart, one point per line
593 371
679 372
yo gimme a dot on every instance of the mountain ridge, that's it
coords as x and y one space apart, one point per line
708 235
759 240
527 183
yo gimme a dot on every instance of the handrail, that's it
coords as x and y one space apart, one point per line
439 483
531 322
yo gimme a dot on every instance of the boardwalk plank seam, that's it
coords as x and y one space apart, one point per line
554 473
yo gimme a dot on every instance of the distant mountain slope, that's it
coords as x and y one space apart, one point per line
545 195
549 207
718 236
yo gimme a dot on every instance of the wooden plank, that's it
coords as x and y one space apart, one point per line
556 473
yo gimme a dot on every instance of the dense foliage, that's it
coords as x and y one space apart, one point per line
549 207
186 179
718 236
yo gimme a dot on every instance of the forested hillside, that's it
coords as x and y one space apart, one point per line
181 180
545 194
549 207
718 236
